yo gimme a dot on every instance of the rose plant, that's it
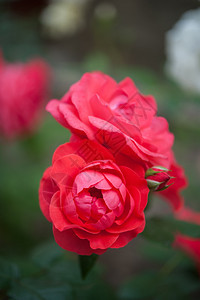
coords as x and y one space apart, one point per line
97 188
124 121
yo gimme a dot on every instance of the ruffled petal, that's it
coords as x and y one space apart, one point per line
46 190
103 240
64 170
69 241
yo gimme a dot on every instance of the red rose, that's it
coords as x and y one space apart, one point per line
190 245
117 116
93 203
23 89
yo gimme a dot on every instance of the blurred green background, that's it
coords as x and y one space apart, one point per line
120 38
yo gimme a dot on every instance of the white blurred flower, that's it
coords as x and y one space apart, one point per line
183 51
64 17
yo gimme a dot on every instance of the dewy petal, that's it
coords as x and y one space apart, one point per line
69 241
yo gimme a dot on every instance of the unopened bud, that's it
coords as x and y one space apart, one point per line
157 178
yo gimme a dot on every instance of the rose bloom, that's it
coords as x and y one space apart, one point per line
116 115
93 203
123 120
23 89
189 245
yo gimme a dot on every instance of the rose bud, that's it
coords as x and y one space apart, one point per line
157 178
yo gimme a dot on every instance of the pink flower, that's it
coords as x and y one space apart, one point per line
117 116
93 203
23 89
189 245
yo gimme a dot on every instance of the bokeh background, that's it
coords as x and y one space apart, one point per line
120 38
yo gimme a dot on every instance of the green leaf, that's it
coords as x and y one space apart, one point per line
8 272
86 263
163 230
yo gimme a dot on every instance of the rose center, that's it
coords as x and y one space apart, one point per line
94 192
121 106
126 110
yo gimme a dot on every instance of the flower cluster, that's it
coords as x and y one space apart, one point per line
96 190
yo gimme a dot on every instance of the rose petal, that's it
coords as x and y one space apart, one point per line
88 150
103 240
46 191
58 218
65 169
125 237
86 179
53 108
111 199
131 223
75 124
83 205
69 241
